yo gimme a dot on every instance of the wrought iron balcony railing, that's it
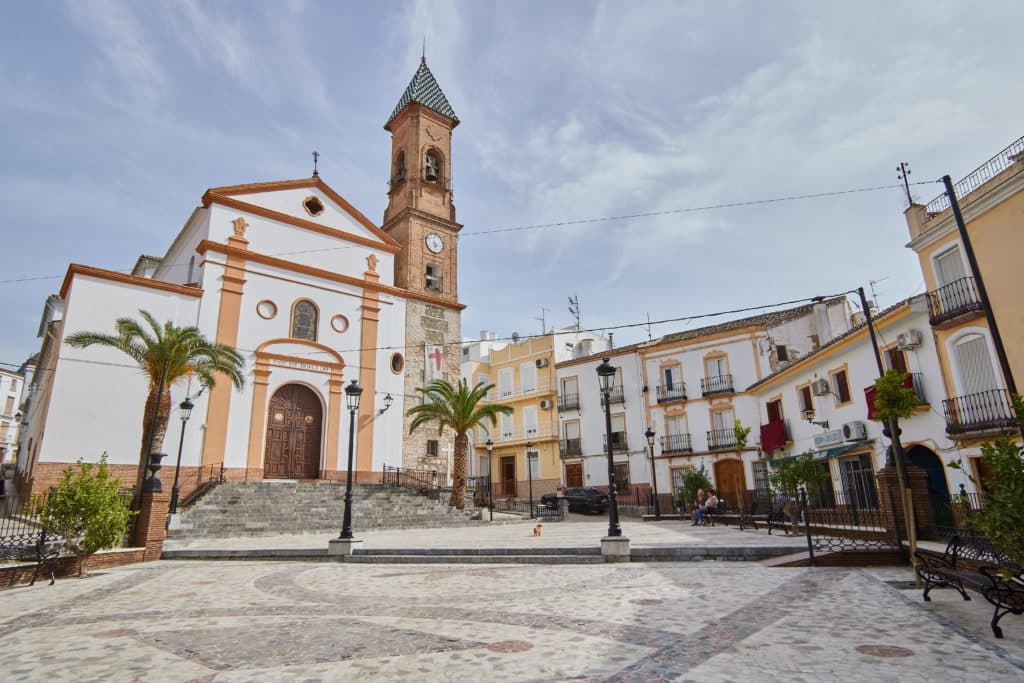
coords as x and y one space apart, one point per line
569 402
676 443
985 411
979 176
570 447
956 299
721 439
719 384
676 392
614 396
618 441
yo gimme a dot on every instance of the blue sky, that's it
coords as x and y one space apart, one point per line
116 116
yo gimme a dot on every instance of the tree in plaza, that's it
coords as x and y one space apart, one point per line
690 480
787 476
459 408
1001 517
86 510
166 354
894 400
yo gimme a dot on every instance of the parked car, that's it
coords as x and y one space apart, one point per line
583 499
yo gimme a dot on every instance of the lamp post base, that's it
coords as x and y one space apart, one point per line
342 546
615 548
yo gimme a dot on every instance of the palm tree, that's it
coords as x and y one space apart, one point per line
166 354
458 408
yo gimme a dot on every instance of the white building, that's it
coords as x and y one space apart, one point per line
12 384
309 290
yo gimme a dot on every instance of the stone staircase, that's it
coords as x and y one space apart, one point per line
286 507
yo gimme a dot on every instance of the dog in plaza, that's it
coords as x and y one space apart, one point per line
536 530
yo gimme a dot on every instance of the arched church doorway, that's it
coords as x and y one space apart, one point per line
294 425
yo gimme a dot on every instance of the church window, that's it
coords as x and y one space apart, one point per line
313 205
399 171
304 319
432 449
397 363
433 166
433 277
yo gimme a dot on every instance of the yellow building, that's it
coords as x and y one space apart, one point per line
977 387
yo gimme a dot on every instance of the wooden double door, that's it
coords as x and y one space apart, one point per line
730 482
294 425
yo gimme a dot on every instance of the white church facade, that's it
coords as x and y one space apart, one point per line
311 293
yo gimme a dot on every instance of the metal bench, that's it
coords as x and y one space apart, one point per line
33 547
970 561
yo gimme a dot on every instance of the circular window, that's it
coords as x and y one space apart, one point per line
266 309
339 323
397 363
313 205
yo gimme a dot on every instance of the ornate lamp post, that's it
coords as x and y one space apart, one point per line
490 483
186 411
352 393
654 474
529 473
605 373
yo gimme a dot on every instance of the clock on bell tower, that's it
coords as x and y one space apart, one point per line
420 214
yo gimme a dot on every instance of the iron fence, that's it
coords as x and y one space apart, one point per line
843 523
425 481
953 300
979 176
984 410
953 514
202 480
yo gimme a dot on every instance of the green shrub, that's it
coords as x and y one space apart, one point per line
690 481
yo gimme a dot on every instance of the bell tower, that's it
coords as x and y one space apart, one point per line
420 213
421 217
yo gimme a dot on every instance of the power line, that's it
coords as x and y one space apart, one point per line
559 224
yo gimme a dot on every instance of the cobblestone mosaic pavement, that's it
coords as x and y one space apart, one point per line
251 621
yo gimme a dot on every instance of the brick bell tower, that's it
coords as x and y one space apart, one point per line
421 216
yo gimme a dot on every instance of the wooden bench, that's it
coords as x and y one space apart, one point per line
969 561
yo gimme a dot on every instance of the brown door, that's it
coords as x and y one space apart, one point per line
730 482
574 475
508 475
293 434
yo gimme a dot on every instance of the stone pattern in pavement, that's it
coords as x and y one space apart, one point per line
249 621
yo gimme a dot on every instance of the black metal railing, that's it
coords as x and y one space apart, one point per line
482 489
979 176
952 514
984 411
569 402
570 447
20 528
841 524
615 395
676 443
719 384
676 392
205 479
425 481
958 298
618 441
719 439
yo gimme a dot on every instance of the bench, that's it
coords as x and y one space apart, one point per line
34 548
969 561
772 514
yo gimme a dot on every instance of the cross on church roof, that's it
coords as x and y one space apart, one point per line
316 158
423 89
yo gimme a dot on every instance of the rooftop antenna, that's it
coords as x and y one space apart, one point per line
649 337
316 158
574 309
543 320
874 294
424 55
902 172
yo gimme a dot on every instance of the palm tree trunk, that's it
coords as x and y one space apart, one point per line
458 499
154 417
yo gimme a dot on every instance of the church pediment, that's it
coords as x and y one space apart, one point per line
309 203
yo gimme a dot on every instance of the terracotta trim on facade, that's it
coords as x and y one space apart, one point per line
114 276
368 373
387 244
258 420
206 246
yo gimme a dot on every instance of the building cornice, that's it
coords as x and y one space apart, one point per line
124 278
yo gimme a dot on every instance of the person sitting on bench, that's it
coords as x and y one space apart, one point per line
710 504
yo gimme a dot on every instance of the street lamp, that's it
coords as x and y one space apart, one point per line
808 414
654 474
352 393
185 407
490 484
529 473
605 373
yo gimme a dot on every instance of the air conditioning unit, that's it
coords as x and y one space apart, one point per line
819 387
546 404
855 431
542 362
910 339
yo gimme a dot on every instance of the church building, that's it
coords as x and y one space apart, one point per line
309 290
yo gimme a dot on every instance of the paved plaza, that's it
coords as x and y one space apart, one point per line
654 621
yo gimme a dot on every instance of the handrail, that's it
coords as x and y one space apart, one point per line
1014 153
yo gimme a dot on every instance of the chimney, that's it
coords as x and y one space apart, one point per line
821 322
611 340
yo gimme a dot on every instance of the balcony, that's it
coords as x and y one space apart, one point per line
720 384
570 447
722 439
614 396
774 435
978 177
618 442
914 380
569 402
987 411
954 303
676 392
676 443
524 433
